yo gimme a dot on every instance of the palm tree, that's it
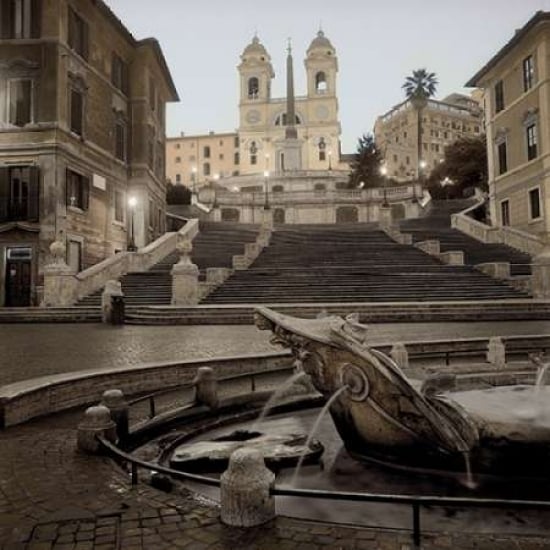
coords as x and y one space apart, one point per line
418 88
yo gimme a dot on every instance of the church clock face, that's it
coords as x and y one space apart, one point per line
253 116
321 112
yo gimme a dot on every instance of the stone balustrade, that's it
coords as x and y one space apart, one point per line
64 287
431 247
515 238
497 270
452 257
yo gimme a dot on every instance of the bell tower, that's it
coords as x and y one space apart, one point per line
321 67
256 73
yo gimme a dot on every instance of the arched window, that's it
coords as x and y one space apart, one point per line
281 120
253 88
206 168
321 82
278 189
322 149
253 150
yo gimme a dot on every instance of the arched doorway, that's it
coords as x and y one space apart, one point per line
347 214
397 211
278 215
230 215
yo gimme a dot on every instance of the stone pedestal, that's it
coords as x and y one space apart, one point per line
267 220
245 485
96 422
400 355
60 283
118 407
185 278
540 273
112 288
496 352
206 387
385 218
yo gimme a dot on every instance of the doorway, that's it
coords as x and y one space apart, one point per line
75 255
18 277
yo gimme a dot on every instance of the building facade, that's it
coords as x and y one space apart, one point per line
257 145
82 128
396 132
193 160
517 110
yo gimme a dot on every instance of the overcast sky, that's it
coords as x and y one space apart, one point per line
378 43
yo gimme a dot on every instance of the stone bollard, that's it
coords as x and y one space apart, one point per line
112 288
96 422
245 485
206 387
400 355
118 407
496 352
185 277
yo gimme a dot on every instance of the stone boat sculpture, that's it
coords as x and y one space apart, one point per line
385 417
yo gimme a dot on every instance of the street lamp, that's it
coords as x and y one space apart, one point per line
194 179
384 173
266 194
132 203
445 184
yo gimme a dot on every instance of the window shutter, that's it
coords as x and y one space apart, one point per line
71 34
4 193
33 213
36 18
84 37
85 193
67 187
6 19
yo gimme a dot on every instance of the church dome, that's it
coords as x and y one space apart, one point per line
320 44
255 49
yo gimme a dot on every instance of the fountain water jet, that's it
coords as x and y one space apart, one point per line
275 398
313 431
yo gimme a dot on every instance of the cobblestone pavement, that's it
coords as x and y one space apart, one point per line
28 351
54 498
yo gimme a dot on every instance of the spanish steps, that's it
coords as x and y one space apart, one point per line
214 246
350 263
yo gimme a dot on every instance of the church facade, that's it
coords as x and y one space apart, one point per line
257 145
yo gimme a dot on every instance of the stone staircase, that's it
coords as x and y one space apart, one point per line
350 263
437 225
214 246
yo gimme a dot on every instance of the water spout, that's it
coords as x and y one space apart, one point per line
313 431
539 385
275 398
470 483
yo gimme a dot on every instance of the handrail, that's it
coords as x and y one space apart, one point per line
416 501
135 462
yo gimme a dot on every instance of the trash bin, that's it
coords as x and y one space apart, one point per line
117 310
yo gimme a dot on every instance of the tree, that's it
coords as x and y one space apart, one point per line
177 194
419 87
365 166
464 164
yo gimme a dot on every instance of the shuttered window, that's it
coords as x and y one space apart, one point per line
78 190
78 34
